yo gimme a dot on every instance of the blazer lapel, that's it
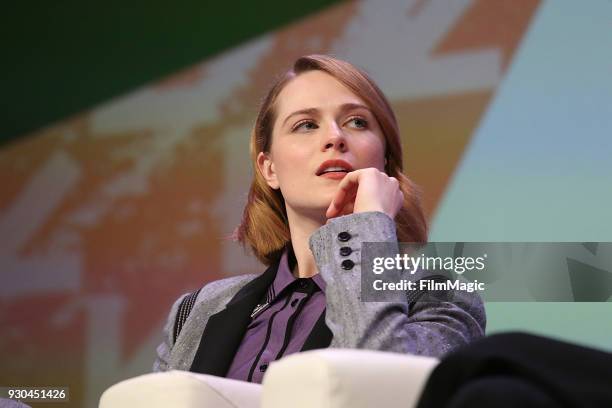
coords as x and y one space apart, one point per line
224 330
319 337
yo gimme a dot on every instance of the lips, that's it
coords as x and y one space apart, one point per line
334 167
334 175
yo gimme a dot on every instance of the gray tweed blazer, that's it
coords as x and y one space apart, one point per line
217 323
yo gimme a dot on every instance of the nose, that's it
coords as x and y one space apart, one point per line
334 139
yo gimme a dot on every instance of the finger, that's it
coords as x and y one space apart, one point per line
349 200
347 188
348 208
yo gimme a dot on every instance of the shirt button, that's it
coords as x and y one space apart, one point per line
345 251
263 367
347 264
294 302
344 236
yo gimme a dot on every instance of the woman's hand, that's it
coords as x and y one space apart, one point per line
366 190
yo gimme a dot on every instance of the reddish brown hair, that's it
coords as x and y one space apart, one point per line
264 226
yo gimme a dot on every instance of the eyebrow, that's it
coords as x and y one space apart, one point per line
343 108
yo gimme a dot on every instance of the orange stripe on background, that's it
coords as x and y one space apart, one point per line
497 24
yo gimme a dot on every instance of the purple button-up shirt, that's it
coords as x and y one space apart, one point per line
281 327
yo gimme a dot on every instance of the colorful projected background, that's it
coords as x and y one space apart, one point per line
108 216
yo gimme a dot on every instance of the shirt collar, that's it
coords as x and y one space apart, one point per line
284 276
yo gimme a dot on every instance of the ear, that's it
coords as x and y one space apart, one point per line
266 168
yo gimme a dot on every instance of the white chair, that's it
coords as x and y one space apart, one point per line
343 378
334 378
181 389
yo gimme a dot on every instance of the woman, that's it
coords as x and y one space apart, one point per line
328 176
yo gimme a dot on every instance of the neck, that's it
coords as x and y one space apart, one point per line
301 227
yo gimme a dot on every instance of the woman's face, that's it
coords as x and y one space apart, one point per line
318 119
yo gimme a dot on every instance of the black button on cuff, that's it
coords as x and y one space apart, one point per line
345 251
344 236
294 302
347 264
263 367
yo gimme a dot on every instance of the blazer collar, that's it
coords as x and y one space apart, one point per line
224 330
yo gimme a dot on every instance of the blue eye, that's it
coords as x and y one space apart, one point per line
306 122
360 122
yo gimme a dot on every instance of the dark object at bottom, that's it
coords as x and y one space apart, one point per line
518 369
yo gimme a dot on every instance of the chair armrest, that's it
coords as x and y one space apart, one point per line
352 378
181 389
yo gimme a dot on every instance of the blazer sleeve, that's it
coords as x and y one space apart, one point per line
163 350
423 328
